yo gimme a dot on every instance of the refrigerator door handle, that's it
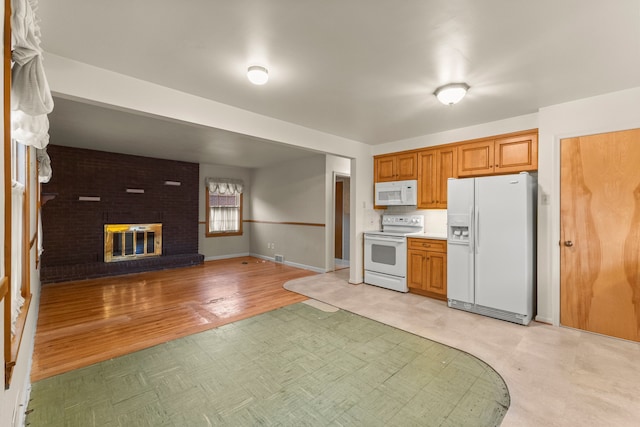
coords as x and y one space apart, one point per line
471 230
477 230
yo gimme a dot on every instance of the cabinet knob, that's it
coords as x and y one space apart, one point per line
568 243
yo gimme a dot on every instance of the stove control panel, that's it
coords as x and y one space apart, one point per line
412 220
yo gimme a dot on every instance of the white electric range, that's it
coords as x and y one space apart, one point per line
385 251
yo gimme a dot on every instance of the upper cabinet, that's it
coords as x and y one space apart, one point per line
395 167
499 156
435 167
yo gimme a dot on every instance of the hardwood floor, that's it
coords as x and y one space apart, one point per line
89 321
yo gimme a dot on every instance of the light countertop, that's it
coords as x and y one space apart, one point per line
433 236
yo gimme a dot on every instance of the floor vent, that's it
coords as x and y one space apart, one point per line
279 258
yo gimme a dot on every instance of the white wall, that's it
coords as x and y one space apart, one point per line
293 191
224 247
514 124
606 113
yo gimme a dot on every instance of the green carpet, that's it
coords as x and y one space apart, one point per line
295 366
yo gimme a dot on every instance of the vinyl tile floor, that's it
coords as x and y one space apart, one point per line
301 365
556 376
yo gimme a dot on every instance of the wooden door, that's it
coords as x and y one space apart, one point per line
385 168
427 185
338 220
475 158
516 154
600 233
407 166
447 164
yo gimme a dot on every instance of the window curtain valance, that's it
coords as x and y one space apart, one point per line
224 185
31 98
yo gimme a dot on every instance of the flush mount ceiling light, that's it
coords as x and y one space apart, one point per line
257 74
452 93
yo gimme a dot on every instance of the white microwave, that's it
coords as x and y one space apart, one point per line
397 193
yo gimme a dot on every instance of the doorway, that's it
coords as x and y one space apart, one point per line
342 190
600 233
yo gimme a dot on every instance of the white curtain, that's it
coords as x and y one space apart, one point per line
44 165
17 242
224 185
224 218
31 98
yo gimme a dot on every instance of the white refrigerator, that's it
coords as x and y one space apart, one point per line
491 246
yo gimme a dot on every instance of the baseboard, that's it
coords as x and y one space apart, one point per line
291 264
544 320
217 257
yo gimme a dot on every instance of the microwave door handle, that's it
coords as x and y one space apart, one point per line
403 194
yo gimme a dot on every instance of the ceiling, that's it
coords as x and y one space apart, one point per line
361 69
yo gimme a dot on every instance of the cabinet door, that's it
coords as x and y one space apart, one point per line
516 154
475 158
437 273
427 182
447 164
416 269
407 167
385 168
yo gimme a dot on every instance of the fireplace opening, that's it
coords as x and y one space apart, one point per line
130 241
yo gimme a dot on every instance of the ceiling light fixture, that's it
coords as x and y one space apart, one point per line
452 93
257 74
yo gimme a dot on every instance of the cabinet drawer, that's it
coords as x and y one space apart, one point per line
427 244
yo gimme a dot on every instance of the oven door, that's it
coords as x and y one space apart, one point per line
385 254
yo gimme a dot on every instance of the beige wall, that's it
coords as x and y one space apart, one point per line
223 247
295 191
290 192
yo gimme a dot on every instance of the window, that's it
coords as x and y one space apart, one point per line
224 207
19 285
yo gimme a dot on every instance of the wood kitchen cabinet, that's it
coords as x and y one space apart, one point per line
511 154
395 167
427 267
435 167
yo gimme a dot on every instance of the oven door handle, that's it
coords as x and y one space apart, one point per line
386 239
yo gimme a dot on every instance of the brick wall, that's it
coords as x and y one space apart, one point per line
73 230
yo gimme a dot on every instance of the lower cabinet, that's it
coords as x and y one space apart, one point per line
427 267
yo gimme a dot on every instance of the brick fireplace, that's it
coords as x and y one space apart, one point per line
92 189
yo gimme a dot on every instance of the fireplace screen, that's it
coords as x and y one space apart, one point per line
129 241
